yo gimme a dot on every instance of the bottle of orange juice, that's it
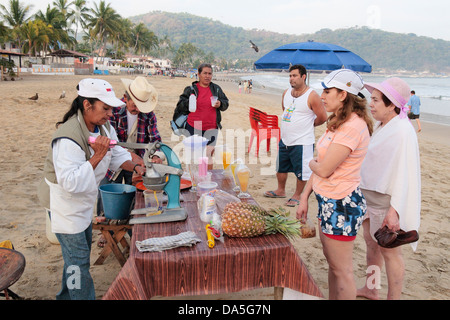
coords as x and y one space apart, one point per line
243 176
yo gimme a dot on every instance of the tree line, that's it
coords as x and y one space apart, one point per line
99 30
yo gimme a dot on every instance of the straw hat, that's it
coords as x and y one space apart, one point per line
143 94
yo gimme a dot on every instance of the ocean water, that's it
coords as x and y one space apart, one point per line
434 93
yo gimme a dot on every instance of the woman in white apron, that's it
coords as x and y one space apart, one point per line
73 171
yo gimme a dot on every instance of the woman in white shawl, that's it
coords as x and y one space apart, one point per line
390 182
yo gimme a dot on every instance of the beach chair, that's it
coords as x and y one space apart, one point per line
12 265
264 127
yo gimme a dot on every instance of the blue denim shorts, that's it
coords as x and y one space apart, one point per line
342 217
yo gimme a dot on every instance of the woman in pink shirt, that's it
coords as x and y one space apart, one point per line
336 177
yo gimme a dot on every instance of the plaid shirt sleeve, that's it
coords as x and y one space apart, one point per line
147 130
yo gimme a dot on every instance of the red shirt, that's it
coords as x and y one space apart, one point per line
205 117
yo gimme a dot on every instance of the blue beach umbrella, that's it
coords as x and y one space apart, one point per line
313 56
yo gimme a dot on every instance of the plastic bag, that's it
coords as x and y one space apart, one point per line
222 198
216 227
308 230
206 206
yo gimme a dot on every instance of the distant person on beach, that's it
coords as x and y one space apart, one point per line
205 120
414 105
336 177
302 111
390 181
72 173
240 86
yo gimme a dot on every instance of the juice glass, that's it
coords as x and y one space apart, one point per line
193 172
243 176
233 167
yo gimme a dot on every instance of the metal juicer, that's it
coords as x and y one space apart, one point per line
160 177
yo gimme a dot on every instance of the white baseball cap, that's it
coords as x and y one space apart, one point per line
99 89
344 79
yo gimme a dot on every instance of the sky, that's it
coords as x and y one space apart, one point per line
424 18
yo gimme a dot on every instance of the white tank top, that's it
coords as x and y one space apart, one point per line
297 121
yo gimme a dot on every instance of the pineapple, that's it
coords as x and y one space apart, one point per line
246 220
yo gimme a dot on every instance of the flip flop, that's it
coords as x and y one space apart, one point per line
296 202
101 243
271 194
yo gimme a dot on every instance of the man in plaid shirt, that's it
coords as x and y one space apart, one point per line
135 123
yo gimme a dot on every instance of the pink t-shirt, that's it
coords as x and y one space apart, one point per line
353 134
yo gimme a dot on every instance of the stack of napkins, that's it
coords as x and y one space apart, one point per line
184 239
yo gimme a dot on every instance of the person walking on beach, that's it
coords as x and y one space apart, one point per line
390 181
336 177
302 111
211 101
72 173
414 105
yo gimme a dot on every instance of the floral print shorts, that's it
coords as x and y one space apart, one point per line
342 217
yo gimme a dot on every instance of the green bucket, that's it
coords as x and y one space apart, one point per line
117 200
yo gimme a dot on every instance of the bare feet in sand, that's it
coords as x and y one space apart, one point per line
367 293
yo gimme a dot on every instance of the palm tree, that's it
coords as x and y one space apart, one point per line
63 7
56 19
104 22
79 15
185 55
3 32
15 16
37 34
144 39
122 37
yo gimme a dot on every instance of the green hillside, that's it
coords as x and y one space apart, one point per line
384 50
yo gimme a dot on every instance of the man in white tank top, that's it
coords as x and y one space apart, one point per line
302 111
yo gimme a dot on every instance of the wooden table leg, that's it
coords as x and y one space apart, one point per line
278 293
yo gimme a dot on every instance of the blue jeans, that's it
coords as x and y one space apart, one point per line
77 283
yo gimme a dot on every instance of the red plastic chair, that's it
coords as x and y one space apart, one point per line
264 127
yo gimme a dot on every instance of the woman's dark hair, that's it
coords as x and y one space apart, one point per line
203 65
77 104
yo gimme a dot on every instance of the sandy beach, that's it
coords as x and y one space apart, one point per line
26 132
